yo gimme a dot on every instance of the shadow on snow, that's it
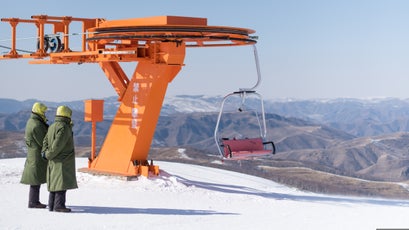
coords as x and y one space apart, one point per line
234 189
152 211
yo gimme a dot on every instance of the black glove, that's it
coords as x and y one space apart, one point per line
43 156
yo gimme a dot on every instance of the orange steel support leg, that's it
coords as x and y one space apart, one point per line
93 140
133 127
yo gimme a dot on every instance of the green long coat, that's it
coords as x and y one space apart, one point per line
35 167
59 150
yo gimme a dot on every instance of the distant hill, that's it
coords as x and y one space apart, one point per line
357 117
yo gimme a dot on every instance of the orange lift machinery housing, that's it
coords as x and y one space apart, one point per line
158 44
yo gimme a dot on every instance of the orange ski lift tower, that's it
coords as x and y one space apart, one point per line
233 144
158 44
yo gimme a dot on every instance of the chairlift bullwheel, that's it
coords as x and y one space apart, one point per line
45 42
55 44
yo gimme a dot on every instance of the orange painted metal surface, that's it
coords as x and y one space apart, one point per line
158 44
93 112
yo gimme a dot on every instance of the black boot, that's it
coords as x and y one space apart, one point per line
51 199
34 197
59 203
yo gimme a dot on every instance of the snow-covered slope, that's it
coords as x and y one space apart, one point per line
191 197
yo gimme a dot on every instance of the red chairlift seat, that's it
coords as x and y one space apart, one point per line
246 148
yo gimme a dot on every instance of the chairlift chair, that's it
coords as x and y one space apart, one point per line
238 148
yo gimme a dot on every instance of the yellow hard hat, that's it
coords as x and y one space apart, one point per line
39 108
64 111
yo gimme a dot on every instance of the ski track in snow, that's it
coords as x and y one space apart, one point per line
191 197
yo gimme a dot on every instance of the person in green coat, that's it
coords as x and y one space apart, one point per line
35 167
58 148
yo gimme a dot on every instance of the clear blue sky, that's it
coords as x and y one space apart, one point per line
307 49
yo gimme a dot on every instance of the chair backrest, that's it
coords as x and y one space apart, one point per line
248 144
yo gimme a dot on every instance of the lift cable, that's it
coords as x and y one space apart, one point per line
20 50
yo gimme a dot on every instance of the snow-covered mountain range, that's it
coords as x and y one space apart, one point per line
358 117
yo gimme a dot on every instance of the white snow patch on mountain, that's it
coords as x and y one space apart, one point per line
188 104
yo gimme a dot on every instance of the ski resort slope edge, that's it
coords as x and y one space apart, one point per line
191 197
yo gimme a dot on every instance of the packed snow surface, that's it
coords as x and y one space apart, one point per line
191 197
